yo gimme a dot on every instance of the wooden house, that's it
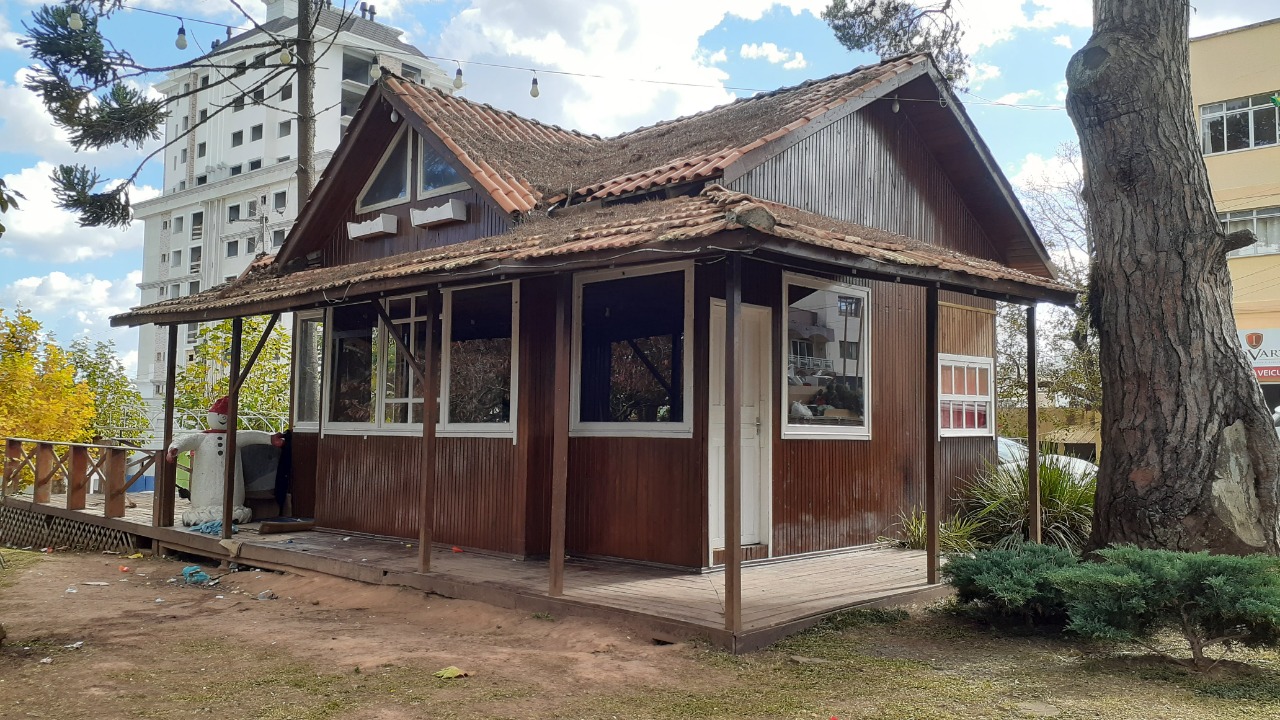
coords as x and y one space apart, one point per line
812 271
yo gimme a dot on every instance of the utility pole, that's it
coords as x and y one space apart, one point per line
308 14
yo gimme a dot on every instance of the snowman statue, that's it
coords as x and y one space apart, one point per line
209 452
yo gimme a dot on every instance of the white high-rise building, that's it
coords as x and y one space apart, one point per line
230 190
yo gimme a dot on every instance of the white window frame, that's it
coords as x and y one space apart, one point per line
408 176
299 318
444 428
967 361
682 429
415 161
826 432
1207 115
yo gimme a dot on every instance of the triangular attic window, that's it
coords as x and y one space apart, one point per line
435 175
390 182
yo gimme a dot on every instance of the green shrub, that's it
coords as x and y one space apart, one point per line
1210 599
998 499
955 535
1012 582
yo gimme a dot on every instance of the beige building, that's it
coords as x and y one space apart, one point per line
1235 86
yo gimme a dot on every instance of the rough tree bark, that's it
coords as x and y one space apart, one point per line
1190 457
307 22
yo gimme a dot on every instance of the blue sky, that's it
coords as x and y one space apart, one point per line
73 279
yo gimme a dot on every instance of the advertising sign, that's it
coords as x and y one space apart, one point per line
1263 349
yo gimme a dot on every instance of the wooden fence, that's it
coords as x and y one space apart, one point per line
76 469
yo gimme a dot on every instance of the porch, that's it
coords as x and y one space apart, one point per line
778 597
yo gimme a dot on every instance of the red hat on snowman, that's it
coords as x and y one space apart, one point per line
221 406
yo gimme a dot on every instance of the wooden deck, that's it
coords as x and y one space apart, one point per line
780 597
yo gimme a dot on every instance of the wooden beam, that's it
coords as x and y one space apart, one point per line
166 472
78 482
12 467
113 482
229 463
1033 439
45 463
430 412
560 433
733 444
933 445
253 356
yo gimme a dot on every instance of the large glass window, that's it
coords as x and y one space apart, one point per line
401 390
435 176
1265 224
355 355
966 396
479 359
308 368
390 182
826 366
1238 124
632 362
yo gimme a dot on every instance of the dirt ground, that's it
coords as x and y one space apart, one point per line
138 643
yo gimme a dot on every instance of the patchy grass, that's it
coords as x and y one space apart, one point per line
12 561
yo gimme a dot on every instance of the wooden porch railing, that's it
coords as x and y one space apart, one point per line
76 469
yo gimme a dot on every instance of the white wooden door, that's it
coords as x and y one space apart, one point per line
755 429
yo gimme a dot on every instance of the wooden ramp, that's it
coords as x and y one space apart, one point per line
780 597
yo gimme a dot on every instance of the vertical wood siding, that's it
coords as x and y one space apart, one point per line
303 483
370 484
872 168
965 332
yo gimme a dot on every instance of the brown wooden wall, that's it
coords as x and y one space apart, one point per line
965 332
303 483
872 168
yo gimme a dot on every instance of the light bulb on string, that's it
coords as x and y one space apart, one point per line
395 116
896 106
286 57
457 78
533 89
75 21
181 42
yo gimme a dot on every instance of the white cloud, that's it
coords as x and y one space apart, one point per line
1056 171
980 73
1018 98
767 51
9 38
718 57
635 39
39 229
796 62
72 306
1064 41
990 22
25 128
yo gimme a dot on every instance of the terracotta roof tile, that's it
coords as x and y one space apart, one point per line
621 227
526 164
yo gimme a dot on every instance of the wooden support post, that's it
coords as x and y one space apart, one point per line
933 445
560 433
733 444
229 464
45 463
257 349
430 413
165 495
113 482
1033 439
78 483
12 481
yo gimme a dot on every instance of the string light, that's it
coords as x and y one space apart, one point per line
74 21
533 89
457 77
181 42
285 56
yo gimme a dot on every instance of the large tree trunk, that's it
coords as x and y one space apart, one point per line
1189 456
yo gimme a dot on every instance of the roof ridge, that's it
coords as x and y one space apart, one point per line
388 74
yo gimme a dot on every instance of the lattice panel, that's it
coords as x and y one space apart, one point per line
23 528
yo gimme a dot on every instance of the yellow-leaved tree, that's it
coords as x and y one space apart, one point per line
41 397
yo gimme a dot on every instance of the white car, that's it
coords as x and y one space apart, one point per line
1009 452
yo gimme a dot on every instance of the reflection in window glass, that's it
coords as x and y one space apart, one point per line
632 350
966 404
435 173
826 380
355 352
309 364
480 327
401 391
392 181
